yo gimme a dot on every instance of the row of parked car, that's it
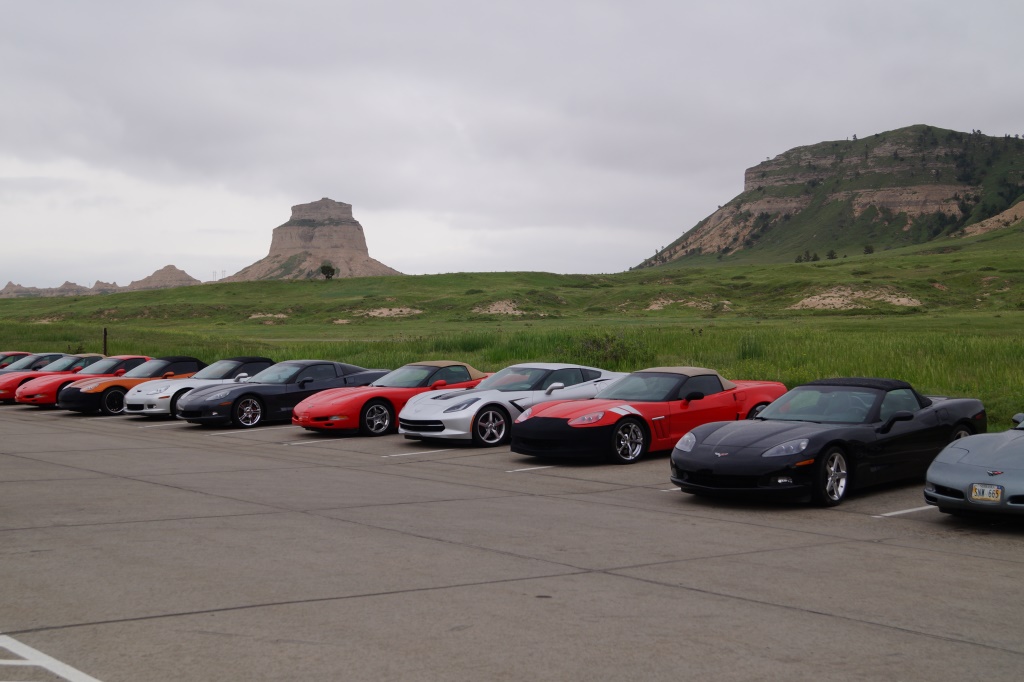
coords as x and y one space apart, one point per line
727 437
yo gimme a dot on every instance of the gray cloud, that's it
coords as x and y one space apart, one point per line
602 128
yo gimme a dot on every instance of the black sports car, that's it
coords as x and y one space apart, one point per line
822 439
271 394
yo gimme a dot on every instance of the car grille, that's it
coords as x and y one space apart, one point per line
133 408
189 414
710 480
421 425
949 492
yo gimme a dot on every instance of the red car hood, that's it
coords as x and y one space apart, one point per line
53 378
570 409
338 396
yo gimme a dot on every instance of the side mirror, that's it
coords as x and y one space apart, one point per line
120 372
554 387
1018 418
76 370
241 377
440 383
305 382
167 375
694 395
901 416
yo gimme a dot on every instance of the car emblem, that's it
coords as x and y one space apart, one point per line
721 454
993 472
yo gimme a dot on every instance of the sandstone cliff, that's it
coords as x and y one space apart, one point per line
319 232
164 278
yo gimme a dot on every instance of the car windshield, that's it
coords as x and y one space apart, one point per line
148 370
644 387
62 364
515 379
25 363
222 369
281 373
104 366
839 404
410 376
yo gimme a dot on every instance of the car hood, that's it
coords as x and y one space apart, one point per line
436 403
570 409
989 450
54 379
234 389
754 433
340 395
175 384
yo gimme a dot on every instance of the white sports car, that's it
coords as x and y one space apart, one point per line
159 397
485 413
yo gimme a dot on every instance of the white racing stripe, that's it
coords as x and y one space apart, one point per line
37 659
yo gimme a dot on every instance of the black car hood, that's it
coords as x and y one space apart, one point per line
752 433
994 450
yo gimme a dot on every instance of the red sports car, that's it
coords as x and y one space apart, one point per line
43 390
69 364
647 410
371 409
9 356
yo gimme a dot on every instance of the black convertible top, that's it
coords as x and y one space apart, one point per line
862 382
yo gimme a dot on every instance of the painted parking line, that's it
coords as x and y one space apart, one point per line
514 471
902 511
670 490
31 658
158 426
410 454
243 432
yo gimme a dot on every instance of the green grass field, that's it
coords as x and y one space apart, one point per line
964 338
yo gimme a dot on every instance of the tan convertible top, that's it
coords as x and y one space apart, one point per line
692 372
473 372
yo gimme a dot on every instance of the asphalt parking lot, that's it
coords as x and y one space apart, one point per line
157 550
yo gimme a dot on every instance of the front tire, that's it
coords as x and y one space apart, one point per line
961 431
629 441
112 401
376 418
831 478
756 409
174 403
490 428
247 412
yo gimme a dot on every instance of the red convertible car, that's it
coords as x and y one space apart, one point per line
371 410
69 364
43 390
647 410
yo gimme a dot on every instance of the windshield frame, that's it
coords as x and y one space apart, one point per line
218 370
665 396
384 381
273 375
494 382
784 405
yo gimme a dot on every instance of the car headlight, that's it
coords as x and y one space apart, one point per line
458 407
525 415
158 389
219 395
687 442
792 447
586 419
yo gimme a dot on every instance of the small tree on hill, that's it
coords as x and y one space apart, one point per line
831 255
868 249
328 271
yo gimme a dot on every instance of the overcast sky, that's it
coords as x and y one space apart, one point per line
573 137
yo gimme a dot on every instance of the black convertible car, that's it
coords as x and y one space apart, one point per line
271 394
822 439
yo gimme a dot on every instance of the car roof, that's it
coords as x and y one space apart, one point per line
550 365
862 382
473 372
249 358
690 372
178 358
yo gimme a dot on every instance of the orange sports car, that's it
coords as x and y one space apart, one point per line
43 390
106 395
69 364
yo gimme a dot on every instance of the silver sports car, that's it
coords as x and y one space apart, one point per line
983 473
485 413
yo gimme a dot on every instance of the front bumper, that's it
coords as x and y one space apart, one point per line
945 488
202 414
740 478
329 423
75 400
546 437
151 407
455 427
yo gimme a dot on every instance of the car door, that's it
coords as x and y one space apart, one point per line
909 446
716 405
573 387
312 379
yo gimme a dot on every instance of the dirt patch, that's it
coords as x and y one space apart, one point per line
392 312
260 316
48 320
845 298
940 287
341 322
499 308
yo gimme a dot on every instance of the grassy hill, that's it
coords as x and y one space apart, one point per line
903 187
960 336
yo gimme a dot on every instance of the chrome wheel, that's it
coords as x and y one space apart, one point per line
629 441
247 412
833 478
376 419
490 427
961 431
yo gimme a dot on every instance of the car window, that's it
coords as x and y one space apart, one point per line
708 384
591 374
569 376
253 368
183 367
133 363
317 373
897 400
453 375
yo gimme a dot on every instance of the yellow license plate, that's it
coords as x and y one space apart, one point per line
984 492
